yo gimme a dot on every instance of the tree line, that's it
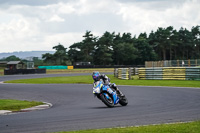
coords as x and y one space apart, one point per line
125 49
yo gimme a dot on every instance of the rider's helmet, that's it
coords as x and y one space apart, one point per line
96 76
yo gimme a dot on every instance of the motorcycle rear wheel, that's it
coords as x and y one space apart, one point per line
107 101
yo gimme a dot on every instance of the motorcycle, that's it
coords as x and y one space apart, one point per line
108 95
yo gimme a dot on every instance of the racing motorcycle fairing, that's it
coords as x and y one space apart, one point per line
100 89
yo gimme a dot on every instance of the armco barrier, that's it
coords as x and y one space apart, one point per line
192 73
124 73
177 73
170 73
150 73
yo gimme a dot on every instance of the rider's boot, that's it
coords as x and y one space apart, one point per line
117 90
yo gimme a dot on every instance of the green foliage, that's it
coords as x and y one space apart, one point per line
60 57
103 50
11 58
75 53
37 61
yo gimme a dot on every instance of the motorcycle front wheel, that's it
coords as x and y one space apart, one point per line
123 101
107 100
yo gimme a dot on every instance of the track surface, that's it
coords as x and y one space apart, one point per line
75 108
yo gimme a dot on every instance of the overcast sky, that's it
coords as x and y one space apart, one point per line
30 25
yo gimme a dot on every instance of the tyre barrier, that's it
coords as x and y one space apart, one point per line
170 73
124 73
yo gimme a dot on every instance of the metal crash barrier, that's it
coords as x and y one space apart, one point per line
124 73
170 73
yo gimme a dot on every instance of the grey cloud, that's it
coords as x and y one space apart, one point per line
158 5
133 1
30 2
100 22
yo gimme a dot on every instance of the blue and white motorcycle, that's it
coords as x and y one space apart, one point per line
108 95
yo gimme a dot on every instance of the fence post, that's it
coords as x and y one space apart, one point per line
130 73
189 63
196 62
116 72
178 63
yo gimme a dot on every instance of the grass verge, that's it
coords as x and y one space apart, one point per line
88 80
190 127
56 80
86 70
17 105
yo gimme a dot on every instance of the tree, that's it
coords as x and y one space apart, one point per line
145 51
48 58
196 41
103 50
174 38
37 61
127 53
162 41
116 54
75 53
124 51
60 54
185 43
87 46
12 58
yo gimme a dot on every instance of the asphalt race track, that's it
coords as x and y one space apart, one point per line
75 108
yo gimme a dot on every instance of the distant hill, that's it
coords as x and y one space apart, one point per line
25 54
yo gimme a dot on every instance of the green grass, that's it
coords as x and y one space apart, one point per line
56 80
88 80
16 105
79 70
191 127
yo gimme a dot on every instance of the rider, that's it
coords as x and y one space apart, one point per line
97 76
